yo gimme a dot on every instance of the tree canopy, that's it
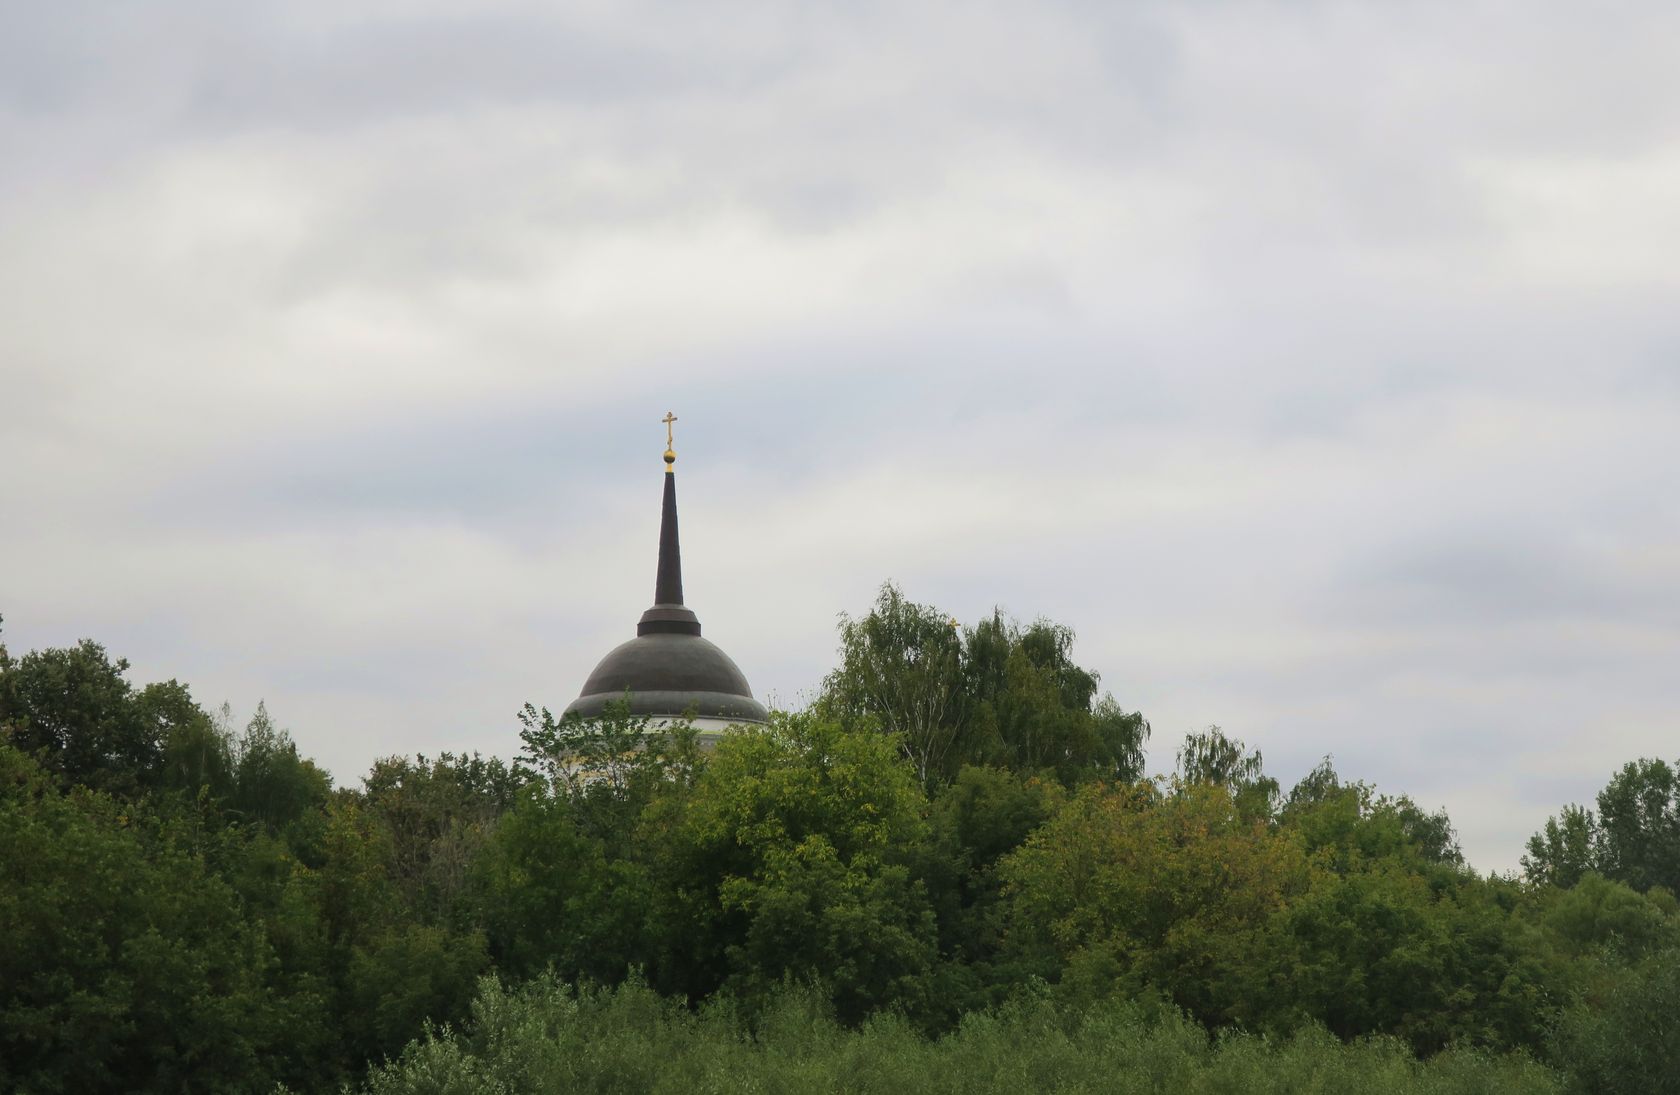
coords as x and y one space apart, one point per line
995 694
950 872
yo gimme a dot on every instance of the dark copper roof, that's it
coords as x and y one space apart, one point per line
668 668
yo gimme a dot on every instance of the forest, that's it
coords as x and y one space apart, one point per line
952 871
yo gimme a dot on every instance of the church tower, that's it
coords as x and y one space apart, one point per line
668 669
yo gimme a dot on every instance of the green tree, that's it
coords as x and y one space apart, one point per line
553 895
1029 707
1633 838
197 752
1623 1036
74 709
1212 758
1434 958
975 821
995 694
789 860
273 785
608 767
1639 826
124 965
384 972
1394 936
1565 850
1348 826
437 815
544 1036
1598 915
409 977
564 879
1134 887
901 664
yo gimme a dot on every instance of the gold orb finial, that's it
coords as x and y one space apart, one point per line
670 452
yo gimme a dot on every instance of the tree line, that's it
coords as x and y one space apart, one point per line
950 865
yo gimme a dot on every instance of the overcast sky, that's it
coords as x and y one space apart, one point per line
1317 363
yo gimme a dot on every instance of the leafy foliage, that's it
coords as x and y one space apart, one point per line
546 1036
902 666
947 875
124 964
73 710
1141 886
1634 837
994 694
1623 1035
789 861
1210 757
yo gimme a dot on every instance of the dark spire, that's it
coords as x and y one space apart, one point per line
668 669
668 589
668 616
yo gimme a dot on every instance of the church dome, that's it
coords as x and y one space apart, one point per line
668 670
666 675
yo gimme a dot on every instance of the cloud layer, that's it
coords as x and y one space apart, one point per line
1316 363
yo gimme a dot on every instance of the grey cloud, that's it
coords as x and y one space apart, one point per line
1515 575
1314 364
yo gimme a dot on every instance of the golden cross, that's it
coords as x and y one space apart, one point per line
668 419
